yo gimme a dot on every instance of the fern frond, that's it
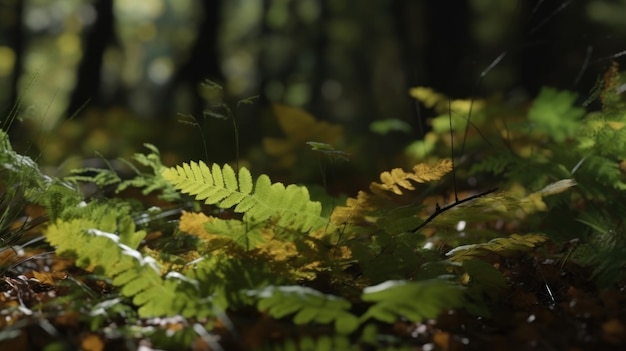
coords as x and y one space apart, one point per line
413 300
227 279
495 164
605 248
601 172
554 113
24 170
501 246
59 198
381 196
290 206
217 233
98 176
397 179
138 277
152 181
307 305
287 252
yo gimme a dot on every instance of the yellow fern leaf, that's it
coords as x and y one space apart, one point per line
398 179
428 96
395 182
193 223
279 250
270 245
442 103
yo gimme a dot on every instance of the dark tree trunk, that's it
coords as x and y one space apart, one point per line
15 39
320 72
408 29
536 51
89 70
448 32
203 61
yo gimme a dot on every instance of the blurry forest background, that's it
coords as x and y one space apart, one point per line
107 75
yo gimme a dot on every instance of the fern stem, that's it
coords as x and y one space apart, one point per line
456 194
235 127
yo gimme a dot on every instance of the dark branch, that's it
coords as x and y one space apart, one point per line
441 210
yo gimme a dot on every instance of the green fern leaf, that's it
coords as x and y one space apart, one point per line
414 300
604 171
554 113
138 277
307 305
290 206
100 177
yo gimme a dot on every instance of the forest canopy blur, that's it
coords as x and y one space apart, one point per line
338 59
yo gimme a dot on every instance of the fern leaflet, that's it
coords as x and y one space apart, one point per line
502 246
308 305
414 300
388 193
139 277
290 206
554 113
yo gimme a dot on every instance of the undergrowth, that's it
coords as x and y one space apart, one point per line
224 245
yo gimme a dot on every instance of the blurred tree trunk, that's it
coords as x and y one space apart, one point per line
89 70
410 15
320 75
14 35
558 48
203 62
449 40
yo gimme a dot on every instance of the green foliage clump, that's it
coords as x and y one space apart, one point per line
555 114
522 151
